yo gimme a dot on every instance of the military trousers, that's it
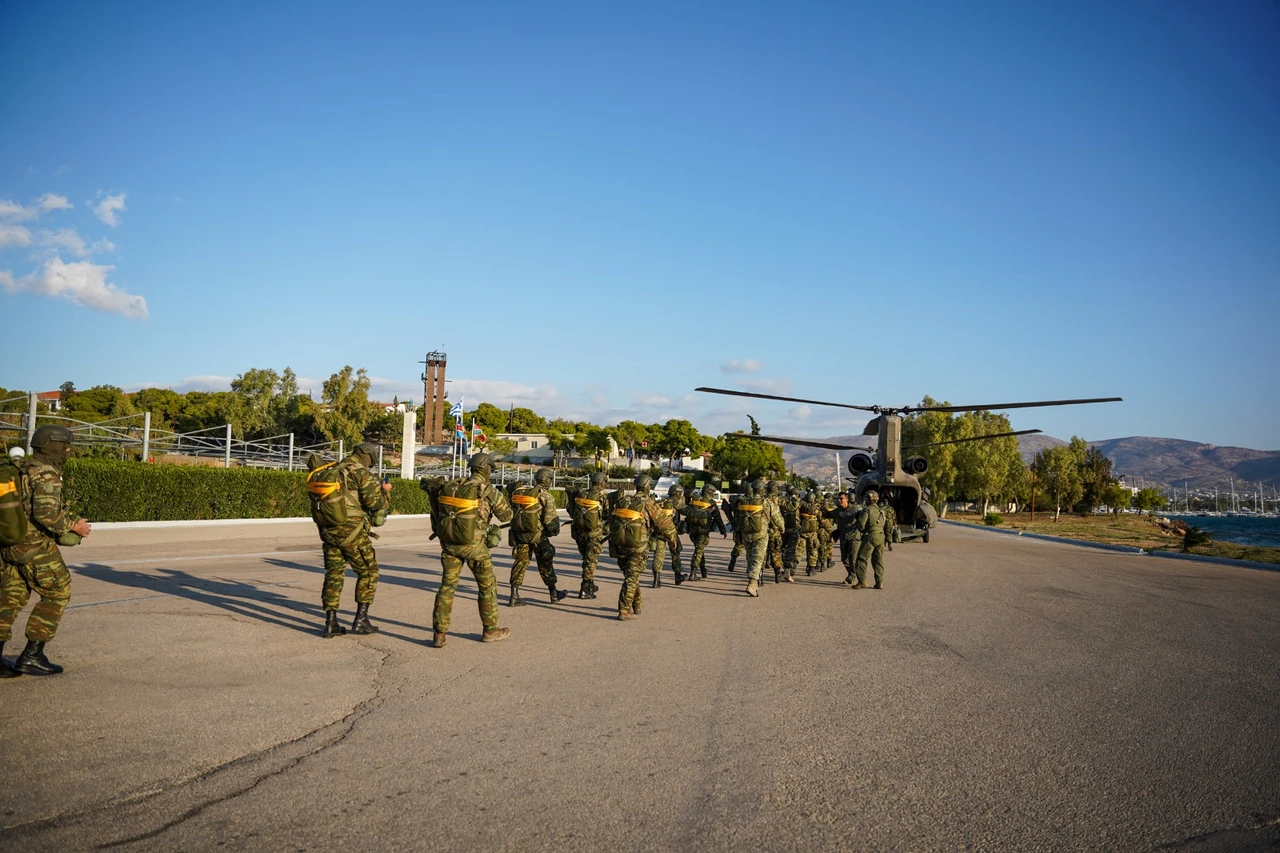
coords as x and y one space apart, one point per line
632 565
824 547
589 547
873 553
46 575
774 550
756 552
658 556
699 559
807 550
546 555
790 546
849 554
477 558
359 554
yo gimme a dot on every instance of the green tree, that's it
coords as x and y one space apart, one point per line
345 411
65 390
491 419
592 442
740 458
1058 474
98 403
255 388
1095 479
164 405
929 427
631 434
204 410
983 467
676 436
1149 500
1116 497
522 420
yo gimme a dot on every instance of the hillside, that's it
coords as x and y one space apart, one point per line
1157 461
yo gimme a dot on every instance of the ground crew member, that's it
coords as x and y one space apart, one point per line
807 536
874 527
845 516
699 516
533 523
589 511
346 500
755 517
670 506
633 520
460 513
35 564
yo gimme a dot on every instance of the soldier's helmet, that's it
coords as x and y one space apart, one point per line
643 484
367 448
482 462
696 494
793 490
757 487
598 478
543 477
676 489
49 432
873 496
772 488
710 493
811 495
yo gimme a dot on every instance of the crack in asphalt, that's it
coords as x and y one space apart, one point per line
1262 834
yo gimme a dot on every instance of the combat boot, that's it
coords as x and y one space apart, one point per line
331 626
848 580
584 591
438 638
361 624
733 560
557 595
789 578
515 600
5 671
679 577
625 616
33 662
859 585
657 580
753 588
830 563
493 635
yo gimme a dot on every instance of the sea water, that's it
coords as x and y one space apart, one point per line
1242 529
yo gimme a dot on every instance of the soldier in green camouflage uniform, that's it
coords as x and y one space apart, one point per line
487 503
755 516
874 528
776 528
633 520
732 511
807 540
789 505
367 503
699 516
670 506
535 514
589 511
35 564
845 516
826 527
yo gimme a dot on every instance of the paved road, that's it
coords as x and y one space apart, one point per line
999 694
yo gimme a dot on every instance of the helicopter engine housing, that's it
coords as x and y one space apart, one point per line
915 465
860 463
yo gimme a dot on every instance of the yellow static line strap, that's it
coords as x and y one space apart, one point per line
700 504
459 503
807 515
750 507
628 514
524 500
583 502
6 488
666 511
323 489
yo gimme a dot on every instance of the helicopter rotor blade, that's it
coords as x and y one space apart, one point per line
972 438
994 407
787 399
804 441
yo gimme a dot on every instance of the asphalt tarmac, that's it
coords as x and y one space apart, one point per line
998 694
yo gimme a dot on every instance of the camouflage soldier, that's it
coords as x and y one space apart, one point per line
776 529
789 504
35 563
460 513
807 539
670 507
826 528
874 528
845 516
533 524
633 520
732 510
589 511
346 500
699 516
755 517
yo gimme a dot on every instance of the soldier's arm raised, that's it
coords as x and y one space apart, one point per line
372 496
47 508
498 503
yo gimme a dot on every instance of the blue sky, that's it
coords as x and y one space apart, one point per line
596 207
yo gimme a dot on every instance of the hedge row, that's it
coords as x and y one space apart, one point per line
111 490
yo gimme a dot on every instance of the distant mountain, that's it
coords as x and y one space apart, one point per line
1157 461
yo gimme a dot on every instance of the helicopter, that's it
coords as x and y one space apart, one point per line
882 468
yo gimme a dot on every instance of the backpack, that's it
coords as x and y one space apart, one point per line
588 514
751 517
13 511
327 491
697 517
628 524
526 521
456 513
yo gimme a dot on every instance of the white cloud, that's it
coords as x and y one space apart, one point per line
14 235
780 387
49 201
12 210
70 239
108 209
81 282
749 365
800 413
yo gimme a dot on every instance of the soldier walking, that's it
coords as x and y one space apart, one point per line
776 527
699 516
588 511
346 501
874 527
670 507
826 528
533 523
633 520
35 563
754 517
845 516
460 513
807 536
789 504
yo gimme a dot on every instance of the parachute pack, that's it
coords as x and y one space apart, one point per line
628 527
328 496
751 518
13 510
456 514
526 522
587 514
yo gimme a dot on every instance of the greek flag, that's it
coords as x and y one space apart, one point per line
456 411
